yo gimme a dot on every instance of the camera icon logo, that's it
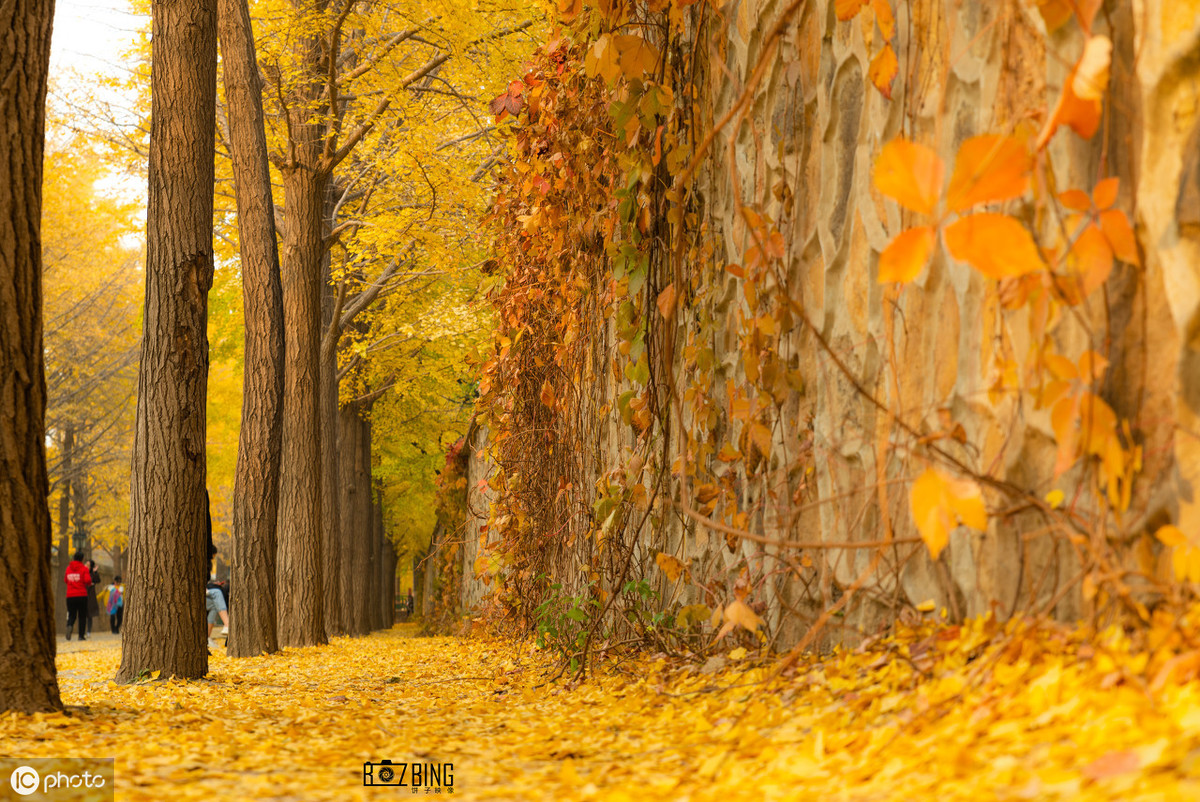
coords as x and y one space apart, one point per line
382 773
25 780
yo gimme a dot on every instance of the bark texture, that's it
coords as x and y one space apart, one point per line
164 611
330 497
301 605
27 676
377 567
300 570
355 485
256 483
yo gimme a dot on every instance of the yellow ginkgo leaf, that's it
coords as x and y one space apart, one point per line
1171 535
1186 562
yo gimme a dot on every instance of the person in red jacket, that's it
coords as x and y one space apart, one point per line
78 578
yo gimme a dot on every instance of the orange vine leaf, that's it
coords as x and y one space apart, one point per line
1119 234
884 17
666 301
988 169
670 566
1105 193
1079 104
910 174
904 258
939 502
848 9
994 244
1091 259
883 70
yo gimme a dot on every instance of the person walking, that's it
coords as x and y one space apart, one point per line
93 602
77 578
218 611
116 604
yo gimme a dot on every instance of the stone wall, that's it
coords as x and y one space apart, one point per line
885 366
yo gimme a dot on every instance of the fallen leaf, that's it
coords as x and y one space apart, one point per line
1112 764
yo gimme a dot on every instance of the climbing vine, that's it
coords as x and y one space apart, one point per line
650 381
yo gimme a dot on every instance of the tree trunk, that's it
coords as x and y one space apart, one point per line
305 183
301 603
364 522
164 610
349 436
256 482
371 580
355 482
118 562
27 678
377 578
331 524
81 538
64 531
388 601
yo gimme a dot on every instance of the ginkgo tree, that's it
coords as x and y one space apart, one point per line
92 326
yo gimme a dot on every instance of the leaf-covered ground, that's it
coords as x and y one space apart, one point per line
946 713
